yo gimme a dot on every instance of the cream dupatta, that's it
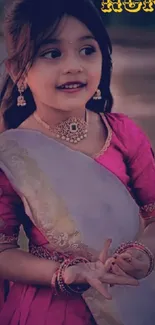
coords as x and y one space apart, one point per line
76 204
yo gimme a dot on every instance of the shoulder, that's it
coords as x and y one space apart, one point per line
128 132
125 126
121 121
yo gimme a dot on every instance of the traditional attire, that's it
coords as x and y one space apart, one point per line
70 203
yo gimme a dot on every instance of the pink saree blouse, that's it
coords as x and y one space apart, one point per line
129 155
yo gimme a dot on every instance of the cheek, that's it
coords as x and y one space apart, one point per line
95 70
40 78
94 78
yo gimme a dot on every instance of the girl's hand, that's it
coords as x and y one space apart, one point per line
97 274
133 262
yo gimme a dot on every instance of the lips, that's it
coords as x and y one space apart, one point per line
72 85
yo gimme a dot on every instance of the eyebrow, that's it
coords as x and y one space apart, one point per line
59 41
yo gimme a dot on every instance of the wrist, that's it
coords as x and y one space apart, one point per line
62 284
142 249
81 274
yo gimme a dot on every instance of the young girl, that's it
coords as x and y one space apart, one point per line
73 174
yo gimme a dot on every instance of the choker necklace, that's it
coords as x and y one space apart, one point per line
72 130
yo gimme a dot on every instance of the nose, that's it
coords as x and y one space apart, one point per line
72 65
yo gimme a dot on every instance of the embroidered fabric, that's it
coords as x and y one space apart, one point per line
42 252
148 211
8 239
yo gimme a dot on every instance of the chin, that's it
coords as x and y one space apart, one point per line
73 104
71 108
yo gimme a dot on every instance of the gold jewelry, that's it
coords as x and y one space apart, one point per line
72 130
20 99
97 95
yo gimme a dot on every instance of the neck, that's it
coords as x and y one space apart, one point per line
56 116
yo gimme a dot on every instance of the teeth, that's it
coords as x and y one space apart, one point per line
71 86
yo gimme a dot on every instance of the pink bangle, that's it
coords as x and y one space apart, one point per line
124 246
76 288
58 283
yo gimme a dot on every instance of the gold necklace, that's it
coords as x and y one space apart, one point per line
72 130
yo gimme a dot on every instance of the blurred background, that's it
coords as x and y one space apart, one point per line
133 80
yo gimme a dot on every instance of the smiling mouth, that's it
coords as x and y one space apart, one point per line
71 85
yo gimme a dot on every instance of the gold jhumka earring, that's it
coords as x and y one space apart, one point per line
20 99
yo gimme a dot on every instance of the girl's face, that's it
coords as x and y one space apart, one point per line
67 70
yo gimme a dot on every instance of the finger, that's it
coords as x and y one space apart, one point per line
104 253
124 265
129 266
137 264
125 256
98 285
120 280
118 271
135 268
108 264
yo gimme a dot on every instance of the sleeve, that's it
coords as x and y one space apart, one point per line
10 206
141 168
10 212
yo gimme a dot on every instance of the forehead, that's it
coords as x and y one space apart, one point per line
71 29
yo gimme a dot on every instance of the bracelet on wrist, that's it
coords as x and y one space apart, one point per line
139 246
58 283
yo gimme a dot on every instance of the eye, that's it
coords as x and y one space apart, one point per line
88 50
52 54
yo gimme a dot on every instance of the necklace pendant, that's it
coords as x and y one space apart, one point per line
73 127
72 130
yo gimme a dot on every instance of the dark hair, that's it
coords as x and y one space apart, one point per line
27 23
